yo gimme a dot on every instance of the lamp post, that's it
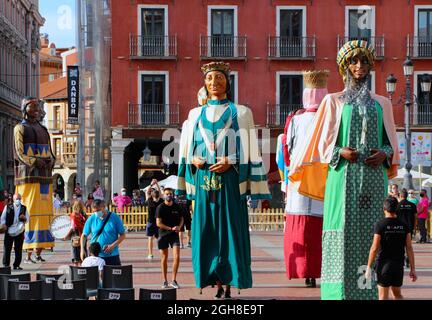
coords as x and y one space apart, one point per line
408 69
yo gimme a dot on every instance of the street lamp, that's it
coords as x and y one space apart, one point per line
147 152
408 70
391 85
425 84
408 67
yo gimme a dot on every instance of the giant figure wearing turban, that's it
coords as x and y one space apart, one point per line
34 161
350 155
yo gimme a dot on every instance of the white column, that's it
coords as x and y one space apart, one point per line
118 145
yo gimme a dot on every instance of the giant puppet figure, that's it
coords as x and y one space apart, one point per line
34 161
220 165
302 235
350 155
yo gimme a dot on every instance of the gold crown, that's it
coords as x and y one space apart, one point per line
316 79
216 66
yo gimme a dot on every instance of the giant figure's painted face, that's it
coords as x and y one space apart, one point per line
359 66
216 83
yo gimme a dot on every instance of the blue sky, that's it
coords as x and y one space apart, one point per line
60 21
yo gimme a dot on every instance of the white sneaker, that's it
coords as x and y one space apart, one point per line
150 257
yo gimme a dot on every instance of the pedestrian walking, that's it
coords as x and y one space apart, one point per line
391 239
169 219
422 215
153 200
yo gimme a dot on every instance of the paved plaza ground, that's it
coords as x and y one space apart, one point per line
269 280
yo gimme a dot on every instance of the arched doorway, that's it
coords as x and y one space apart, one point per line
89 184
59 185
71 185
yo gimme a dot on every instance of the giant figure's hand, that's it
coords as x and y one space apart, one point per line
376 159
349 154
221 166
198 162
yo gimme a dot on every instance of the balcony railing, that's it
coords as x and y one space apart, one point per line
422 114
60 126
377 42
224 47
9 94
292 47
70 160
153 47
153 114
276 114
419 47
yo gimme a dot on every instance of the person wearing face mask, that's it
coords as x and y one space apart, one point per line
412 197
153 200
169 219
13 214
422 215
122 200
106 228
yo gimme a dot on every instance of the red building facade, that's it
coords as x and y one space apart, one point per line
158 48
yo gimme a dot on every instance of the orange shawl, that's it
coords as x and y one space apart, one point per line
309 168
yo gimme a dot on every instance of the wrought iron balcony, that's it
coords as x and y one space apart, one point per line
59 126
419 47
377 42
294 48
277 113
422 114
153 115
223 47
153 47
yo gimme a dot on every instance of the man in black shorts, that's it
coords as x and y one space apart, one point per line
187 218
390 240
169 219
153 200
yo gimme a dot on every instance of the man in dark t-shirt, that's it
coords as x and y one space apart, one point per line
391 239
169 219
153 200
406 211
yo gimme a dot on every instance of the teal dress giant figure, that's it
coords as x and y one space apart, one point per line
220 225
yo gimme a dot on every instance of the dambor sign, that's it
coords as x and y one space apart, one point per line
73 94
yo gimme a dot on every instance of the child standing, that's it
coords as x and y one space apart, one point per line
390 240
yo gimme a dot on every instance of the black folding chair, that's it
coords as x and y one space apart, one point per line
90 275
69 290
117 277
47 285
116 294
4 278
164 294
24 290
5 270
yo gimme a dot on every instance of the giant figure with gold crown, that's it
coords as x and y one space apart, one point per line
34 161
350 155
220 165
302 234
